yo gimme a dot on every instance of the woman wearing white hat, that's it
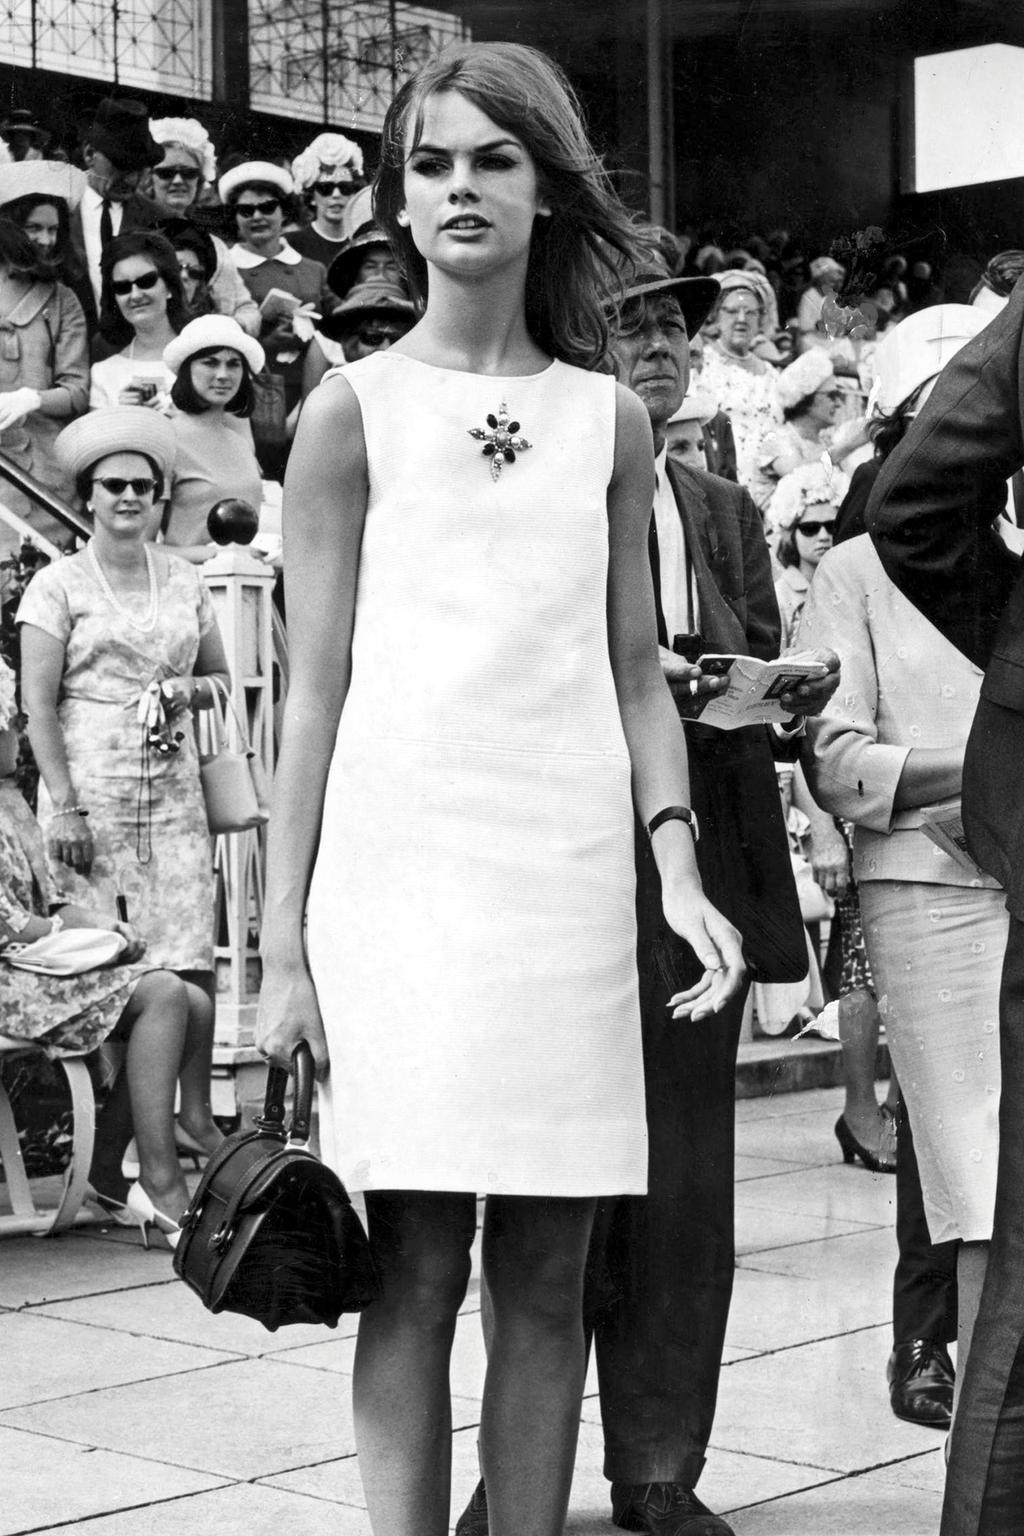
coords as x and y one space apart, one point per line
811 399
328 172
279 279
214 362
119 647
175 185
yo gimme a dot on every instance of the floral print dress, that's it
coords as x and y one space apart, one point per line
750 399
66 1015
146 812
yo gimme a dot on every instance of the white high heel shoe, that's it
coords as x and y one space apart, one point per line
146 1215
111 1209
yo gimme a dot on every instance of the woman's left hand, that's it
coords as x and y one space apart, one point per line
136 946
16 405
178 694
717 945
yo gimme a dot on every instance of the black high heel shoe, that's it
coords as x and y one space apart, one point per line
852 1148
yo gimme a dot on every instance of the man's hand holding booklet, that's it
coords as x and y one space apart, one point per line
754 689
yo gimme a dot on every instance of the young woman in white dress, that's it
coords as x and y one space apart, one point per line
475 708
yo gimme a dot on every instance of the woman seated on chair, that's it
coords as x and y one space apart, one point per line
155 1012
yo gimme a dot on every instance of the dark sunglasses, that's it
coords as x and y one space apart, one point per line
250 210
195 273
377 335
325 188
810 529
147 280
169 172
115 486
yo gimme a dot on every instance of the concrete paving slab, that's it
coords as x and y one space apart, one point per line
757 1167
36 1270
237 1420
867 1254
47 1482
824 1404
242 1510
845 1193
760 1229
771 1311
855 1506
172 1311
46 1359
243 1419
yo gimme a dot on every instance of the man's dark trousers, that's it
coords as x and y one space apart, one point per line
660 1274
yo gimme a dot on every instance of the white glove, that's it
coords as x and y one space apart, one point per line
16 405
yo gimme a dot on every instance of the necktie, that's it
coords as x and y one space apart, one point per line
106 224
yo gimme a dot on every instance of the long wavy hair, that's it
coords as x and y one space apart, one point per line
156 249
63 262
584 253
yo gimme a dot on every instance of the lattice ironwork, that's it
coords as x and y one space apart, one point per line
338 62
161 45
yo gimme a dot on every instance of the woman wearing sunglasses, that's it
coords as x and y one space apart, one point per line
142 308
328 172
119 647
176 185
278 277
811 401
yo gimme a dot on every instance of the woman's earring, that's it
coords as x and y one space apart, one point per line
402 218
90 509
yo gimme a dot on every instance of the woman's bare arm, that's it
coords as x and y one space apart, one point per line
324 510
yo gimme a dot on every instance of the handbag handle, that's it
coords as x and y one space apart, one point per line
272 1119
220 709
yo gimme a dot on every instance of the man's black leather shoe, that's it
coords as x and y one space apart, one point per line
664 1509
473 1520
920 1376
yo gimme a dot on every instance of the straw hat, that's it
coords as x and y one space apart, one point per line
116 429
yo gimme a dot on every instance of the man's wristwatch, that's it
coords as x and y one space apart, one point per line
674 813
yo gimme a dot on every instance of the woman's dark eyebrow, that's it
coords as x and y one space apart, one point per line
478 149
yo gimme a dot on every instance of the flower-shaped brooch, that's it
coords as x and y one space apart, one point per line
500 441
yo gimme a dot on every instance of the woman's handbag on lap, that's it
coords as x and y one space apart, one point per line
270 1231
68 952
234 786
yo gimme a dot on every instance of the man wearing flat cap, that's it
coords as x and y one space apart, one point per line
660 1267
117 148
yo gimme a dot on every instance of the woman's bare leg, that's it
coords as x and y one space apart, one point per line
157 1023
534 1256
858 1030
196 1114
401 1394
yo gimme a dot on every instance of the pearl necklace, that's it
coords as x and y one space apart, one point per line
148 621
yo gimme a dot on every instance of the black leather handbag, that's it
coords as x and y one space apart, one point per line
270 1231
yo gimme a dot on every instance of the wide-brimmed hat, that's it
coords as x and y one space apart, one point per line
916 351
695 295
120 130
344 269
116 429
808 373
210 332
21 120
181 231
42 179
251 173
381 298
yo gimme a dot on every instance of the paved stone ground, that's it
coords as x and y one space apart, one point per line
125 1408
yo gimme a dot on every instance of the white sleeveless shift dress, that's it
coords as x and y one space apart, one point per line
471 921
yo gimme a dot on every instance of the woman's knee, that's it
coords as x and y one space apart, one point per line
161 991
422 1249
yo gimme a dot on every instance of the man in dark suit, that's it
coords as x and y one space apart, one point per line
936 518
117 148
660 1270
